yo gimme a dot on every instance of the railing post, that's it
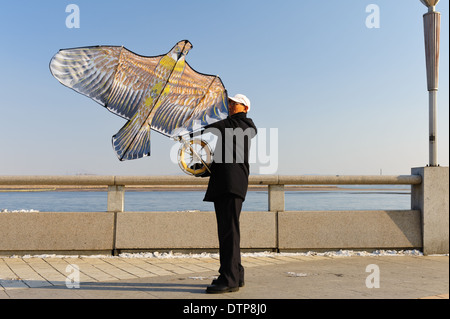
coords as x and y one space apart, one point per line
116 198
432 199
276 197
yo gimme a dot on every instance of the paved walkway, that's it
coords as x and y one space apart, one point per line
268 277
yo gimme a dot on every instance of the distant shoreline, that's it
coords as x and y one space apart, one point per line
180 188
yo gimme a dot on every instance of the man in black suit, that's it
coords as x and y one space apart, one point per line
227 188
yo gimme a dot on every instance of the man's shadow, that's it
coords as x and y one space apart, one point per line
132 286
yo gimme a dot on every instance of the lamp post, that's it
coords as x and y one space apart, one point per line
431 24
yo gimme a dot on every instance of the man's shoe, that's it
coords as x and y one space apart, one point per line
216 282
220 289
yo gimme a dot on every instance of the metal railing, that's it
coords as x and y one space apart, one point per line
276 183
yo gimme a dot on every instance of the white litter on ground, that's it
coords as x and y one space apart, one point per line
295 274
202 278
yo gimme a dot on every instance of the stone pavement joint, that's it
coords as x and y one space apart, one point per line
267 277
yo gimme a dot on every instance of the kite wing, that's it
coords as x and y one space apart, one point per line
193 101
110 75
162 93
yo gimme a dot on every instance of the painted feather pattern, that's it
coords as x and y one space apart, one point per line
162 93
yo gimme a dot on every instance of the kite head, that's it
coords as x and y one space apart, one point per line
180 49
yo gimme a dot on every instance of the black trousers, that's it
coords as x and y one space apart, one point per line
228 211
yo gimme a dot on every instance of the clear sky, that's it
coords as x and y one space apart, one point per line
345 98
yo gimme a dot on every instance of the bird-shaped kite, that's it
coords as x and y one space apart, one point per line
162 93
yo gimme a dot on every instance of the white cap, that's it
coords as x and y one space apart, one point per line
241 99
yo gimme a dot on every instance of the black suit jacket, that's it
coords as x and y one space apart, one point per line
230 167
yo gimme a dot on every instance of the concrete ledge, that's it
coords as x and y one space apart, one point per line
190 180
349 229
61 231
190 230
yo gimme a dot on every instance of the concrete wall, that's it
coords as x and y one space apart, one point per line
190 230
45 231
80 232
425 226
349 229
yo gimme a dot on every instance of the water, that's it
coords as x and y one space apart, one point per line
388 198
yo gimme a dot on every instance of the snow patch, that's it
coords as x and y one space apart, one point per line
4 210
172 255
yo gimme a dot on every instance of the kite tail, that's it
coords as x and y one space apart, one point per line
133 140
